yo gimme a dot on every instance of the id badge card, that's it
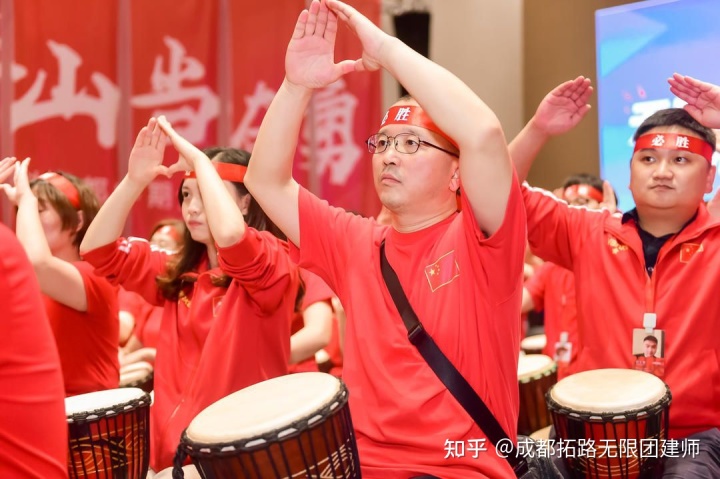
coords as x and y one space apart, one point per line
648 351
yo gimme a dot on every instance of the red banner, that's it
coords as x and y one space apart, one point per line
64 112
345 114
331 160
67 113
174 68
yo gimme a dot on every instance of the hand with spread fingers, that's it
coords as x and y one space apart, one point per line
564 107
309 61
703 99
146 157
21 181
187 151
372 38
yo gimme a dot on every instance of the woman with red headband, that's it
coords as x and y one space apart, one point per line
53 214
227 297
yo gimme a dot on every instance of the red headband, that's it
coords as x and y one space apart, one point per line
65 187
671 141
412 115
583 191
227 171
170 231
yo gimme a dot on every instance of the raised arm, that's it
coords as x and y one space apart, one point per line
485 168
58 279
223 214
703 99
309 64
144 165
559 112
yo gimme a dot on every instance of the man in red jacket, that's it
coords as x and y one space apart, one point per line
651 269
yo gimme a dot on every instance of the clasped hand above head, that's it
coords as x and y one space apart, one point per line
146 158
309 61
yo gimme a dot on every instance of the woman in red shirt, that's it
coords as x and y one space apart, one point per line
227 297
53 214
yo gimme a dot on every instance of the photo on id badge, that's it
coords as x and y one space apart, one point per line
648 349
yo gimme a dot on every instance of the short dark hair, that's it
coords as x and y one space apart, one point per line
586 179
676 117
650 337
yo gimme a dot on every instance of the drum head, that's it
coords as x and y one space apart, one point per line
101 400
534 343
531 365
608 391
264 407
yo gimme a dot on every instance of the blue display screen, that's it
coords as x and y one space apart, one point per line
638 47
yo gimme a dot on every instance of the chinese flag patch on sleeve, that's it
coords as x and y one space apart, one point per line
442 271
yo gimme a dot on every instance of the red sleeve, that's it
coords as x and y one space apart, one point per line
536 285
33 427
132 263
315 289
502 255
261 264
323 247
101 296
556 231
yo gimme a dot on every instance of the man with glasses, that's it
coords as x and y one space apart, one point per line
461 270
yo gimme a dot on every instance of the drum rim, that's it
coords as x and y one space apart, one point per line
110 411
605 417
196 449
549 368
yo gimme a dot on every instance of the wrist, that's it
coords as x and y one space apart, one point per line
133 186
295 89
26 199
538 131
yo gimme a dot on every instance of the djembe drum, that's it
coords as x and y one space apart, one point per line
536 374
619 413
534 344
108 434
287 427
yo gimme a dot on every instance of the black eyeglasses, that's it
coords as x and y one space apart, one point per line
407 143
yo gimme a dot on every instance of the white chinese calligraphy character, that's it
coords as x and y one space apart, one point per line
255 107
332 124
160 194
659 140
682 142
66 101
168 89
402 114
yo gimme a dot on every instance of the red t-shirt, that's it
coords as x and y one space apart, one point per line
214 340
33 428
88 340
552 289
315 291
466 290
